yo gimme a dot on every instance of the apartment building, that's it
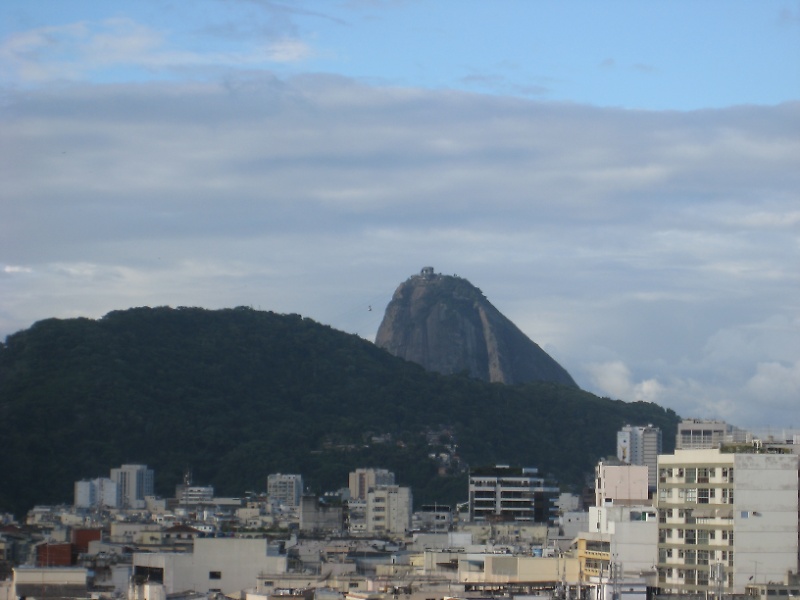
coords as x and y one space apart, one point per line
620 484
285 489
361 481
702 434
96 493
641 445
505 493
726 519
388 510
134 484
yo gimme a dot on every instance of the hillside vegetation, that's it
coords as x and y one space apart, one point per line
237 394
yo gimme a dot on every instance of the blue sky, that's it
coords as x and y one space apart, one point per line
620 178
651 55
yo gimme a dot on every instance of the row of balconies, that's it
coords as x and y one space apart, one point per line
695 475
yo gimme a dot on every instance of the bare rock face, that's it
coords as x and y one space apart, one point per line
445 324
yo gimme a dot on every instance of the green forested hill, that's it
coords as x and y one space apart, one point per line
237 394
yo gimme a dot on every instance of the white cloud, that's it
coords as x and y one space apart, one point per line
776 384
77 51
633 245
614 379
16 269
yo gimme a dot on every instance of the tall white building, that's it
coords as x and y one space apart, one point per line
285 489
96 493
134 484
640 445
726 519
388 509
361 481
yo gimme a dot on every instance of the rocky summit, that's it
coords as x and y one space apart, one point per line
447 325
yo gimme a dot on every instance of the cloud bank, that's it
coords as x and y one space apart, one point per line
653 254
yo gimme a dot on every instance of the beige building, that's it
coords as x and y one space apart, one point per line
388 510
620 484
726 519
361 481
225 565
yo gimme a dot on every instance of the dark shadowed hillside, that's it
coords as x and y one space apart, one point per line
237 394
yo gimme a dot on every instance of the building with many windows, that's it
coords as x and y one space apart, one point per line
388 510
285 489
726 519
505 493
96 493
702 434
640 445
134 484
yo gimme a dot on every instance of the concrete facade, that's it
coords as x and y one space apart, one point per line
504 493
227 565
640 445
285 489
134 484
388 510
361 481
726 520
620 484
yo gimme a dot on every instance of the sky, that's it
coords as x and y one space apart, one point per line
621 179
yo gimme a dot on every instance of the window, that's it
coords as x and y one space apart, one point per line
691 536
215 574
703 495
691 495
691 475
